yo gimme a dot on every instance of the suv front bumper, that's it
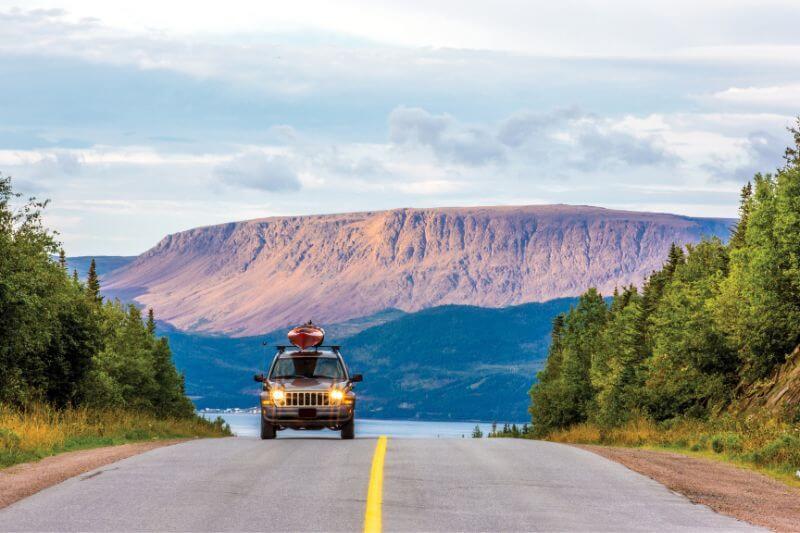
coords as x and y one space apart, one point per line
308 417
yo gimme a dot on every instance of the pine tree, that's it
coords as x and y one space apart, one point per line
675 257
792 153
151 322
745 203
75 279
93 282
62 259
477 433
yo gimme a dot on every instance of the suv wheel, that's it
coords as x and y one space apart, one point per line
349 430
267 430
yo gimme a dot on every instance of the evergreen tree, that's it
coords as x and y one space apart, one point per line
693 367
62 259
151 322
583 327
745 202
477 433
564 393
792 153
616 370
93 282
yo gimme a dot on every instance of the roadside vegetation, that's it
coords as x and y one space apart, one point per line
77 371
37 431
670 364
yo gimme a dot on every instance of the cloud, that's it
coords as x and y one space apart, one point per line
574 139
448 139
759 151
773 97
255 170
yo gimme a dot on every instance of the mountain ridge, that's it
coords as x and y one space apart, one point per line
244 278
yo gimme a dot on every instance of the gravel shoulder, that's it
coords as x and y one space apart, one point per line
20 481
737 492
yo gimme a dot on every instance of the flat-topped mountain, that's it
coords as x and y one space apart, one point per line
254 276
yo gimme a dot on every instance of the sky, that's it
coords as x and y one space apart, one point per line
140 119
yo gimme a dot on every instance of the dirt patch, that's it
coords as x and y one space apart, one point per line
729 490
20 481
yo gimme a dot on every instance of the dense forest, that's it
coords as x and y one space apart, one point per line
61 344
715 319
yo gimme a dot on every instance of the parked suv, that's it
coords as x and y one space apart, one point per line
308 389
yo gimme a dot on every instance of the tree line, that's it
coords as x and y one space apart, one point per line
61 342
716 318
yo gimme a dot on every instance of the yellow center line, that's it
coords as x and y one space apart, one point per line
372 516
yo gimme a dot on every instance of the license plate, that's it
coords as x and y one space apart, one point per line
307 413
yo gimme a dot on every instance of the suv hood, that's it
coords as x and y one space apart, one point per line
307 384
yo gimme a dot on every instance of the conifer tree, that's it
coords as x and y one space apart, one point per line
745 203
93 282
62 259
151 322
792 153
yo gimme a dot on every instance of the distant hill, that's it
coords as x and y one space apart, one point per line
443 363
104 264
244 278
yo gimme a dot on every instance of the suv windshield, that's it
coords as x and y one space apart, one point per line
308 367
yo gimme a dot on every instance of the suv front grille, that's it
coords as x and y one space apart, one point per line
306 399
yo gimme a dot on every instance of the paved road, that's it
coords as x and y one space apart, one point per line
242 484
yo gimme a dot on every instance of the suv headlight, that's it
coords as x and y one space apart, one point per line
278 396
336 396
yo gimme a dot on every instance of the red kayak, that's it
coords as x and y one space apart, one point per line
307 336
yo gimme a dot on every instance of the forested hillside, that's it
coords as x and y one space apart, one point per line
454 362
702 330
62 347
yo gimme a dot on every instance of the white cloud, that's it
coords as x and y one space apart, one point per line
569 138
774 97
257 170
448 139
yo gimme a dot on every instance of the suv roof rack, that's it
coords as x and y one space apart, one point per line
311 349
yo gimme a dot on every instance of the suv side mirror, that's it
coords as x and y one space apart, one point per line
259 378
355 378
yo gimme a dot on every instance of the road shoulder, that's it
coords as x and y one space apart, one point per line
23 480
727 489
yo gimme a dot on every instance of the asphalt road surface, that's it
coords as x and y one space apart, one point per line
245 484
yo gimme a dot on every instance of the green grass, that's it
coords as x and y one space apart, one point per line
758 442
39 431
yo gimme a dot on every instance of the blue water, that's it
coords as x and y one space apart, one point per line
247 425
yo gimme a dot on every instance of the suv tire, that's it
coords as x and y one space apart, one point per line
267 430
349 430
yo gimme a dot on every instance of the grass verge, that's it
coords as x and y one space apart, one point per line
759 442
39 431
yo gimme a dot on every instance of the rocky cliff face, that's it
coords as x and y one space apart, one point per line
254 276
778 394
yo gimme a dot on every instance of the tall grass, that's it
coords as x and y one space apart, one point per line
39 430
760 440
